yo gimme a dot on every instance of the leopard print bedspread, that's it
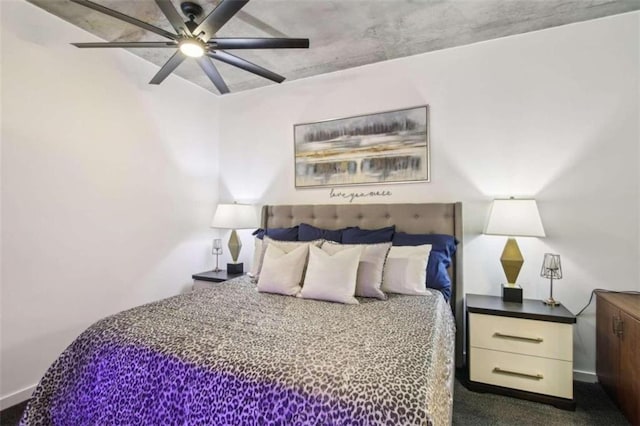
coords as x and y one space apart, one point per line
233 356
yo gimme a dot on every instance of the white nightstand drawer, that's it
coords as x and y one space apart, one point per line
522 336
528 373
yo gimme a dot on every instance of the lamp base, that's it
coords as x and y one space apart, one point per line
511 293
551 302
235 268
511 260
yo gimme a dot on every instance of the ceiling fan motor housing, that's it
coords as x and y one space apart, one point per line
191 24
191 10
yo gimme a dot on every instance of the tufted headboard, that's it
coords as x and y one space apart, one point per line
436 218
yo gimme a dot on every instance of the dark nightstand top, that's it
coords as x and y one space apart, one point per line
528 309
216 277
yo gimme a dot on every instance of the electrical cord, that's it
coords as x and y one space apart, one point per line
604 291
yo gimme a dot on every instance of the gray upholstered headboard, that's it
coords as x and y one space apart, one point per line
436 218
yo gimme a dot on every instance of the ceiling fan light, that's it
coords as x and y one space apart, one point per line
192 48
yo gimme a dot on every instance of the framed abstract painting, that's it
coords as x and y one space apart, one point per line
385 147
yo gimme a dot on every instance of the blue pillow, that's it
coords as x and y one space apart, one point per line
281 234
437 274
443 247
368 236
308 232
439 242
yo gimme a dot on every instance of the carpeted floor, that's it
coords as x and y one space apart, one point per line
470 408
11 416
594 408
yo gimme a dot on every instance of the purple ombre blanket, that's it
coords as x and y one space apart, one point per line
233 356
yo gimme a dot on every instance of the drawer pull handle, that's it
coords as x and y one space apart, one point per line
515 373
524 339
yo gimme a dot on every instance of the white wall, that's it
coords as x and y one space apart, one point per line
109 185
551 114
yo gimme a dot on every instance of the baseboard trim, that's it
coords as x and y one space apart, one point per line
585 376
16 397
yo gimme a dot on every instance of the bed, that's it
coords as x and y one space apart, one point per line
231 355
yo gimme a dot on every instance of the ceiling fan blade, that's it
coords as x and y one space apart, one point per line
259 43
125 18
246 65
173 16
213 74
168 67
218 17
127 44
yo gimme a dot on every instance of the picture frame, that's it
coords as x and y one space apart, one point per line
370 149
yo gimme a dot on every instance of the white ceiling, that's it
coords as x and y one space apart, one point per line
343 34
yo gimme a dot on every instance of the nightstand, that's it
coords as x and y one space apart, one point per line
207 278
523 349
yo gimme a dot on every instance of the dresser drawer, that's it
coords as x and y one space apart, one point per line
522 336
525 372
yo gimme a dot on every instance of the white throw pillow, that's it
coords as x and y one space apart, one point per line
332 277
257 258
406 270
285 246
370 268
281 271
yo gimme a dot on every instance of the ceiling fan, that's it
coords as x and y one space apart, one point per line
198 40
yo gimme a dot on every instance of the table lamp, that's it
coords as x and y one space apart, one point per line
216 250
235 216
513 218
552 269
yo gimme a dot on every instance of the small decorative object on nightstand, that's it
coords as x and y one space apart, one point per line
216 250
524 350
513 218
551 269
235 216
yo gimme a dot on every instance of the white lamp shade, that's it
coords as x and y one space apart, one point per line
235 216
514 218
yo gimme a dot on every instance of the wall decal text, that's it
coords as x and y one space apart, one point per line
353 195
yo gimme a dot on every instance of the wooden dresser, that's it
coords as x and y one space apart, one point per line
618 350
